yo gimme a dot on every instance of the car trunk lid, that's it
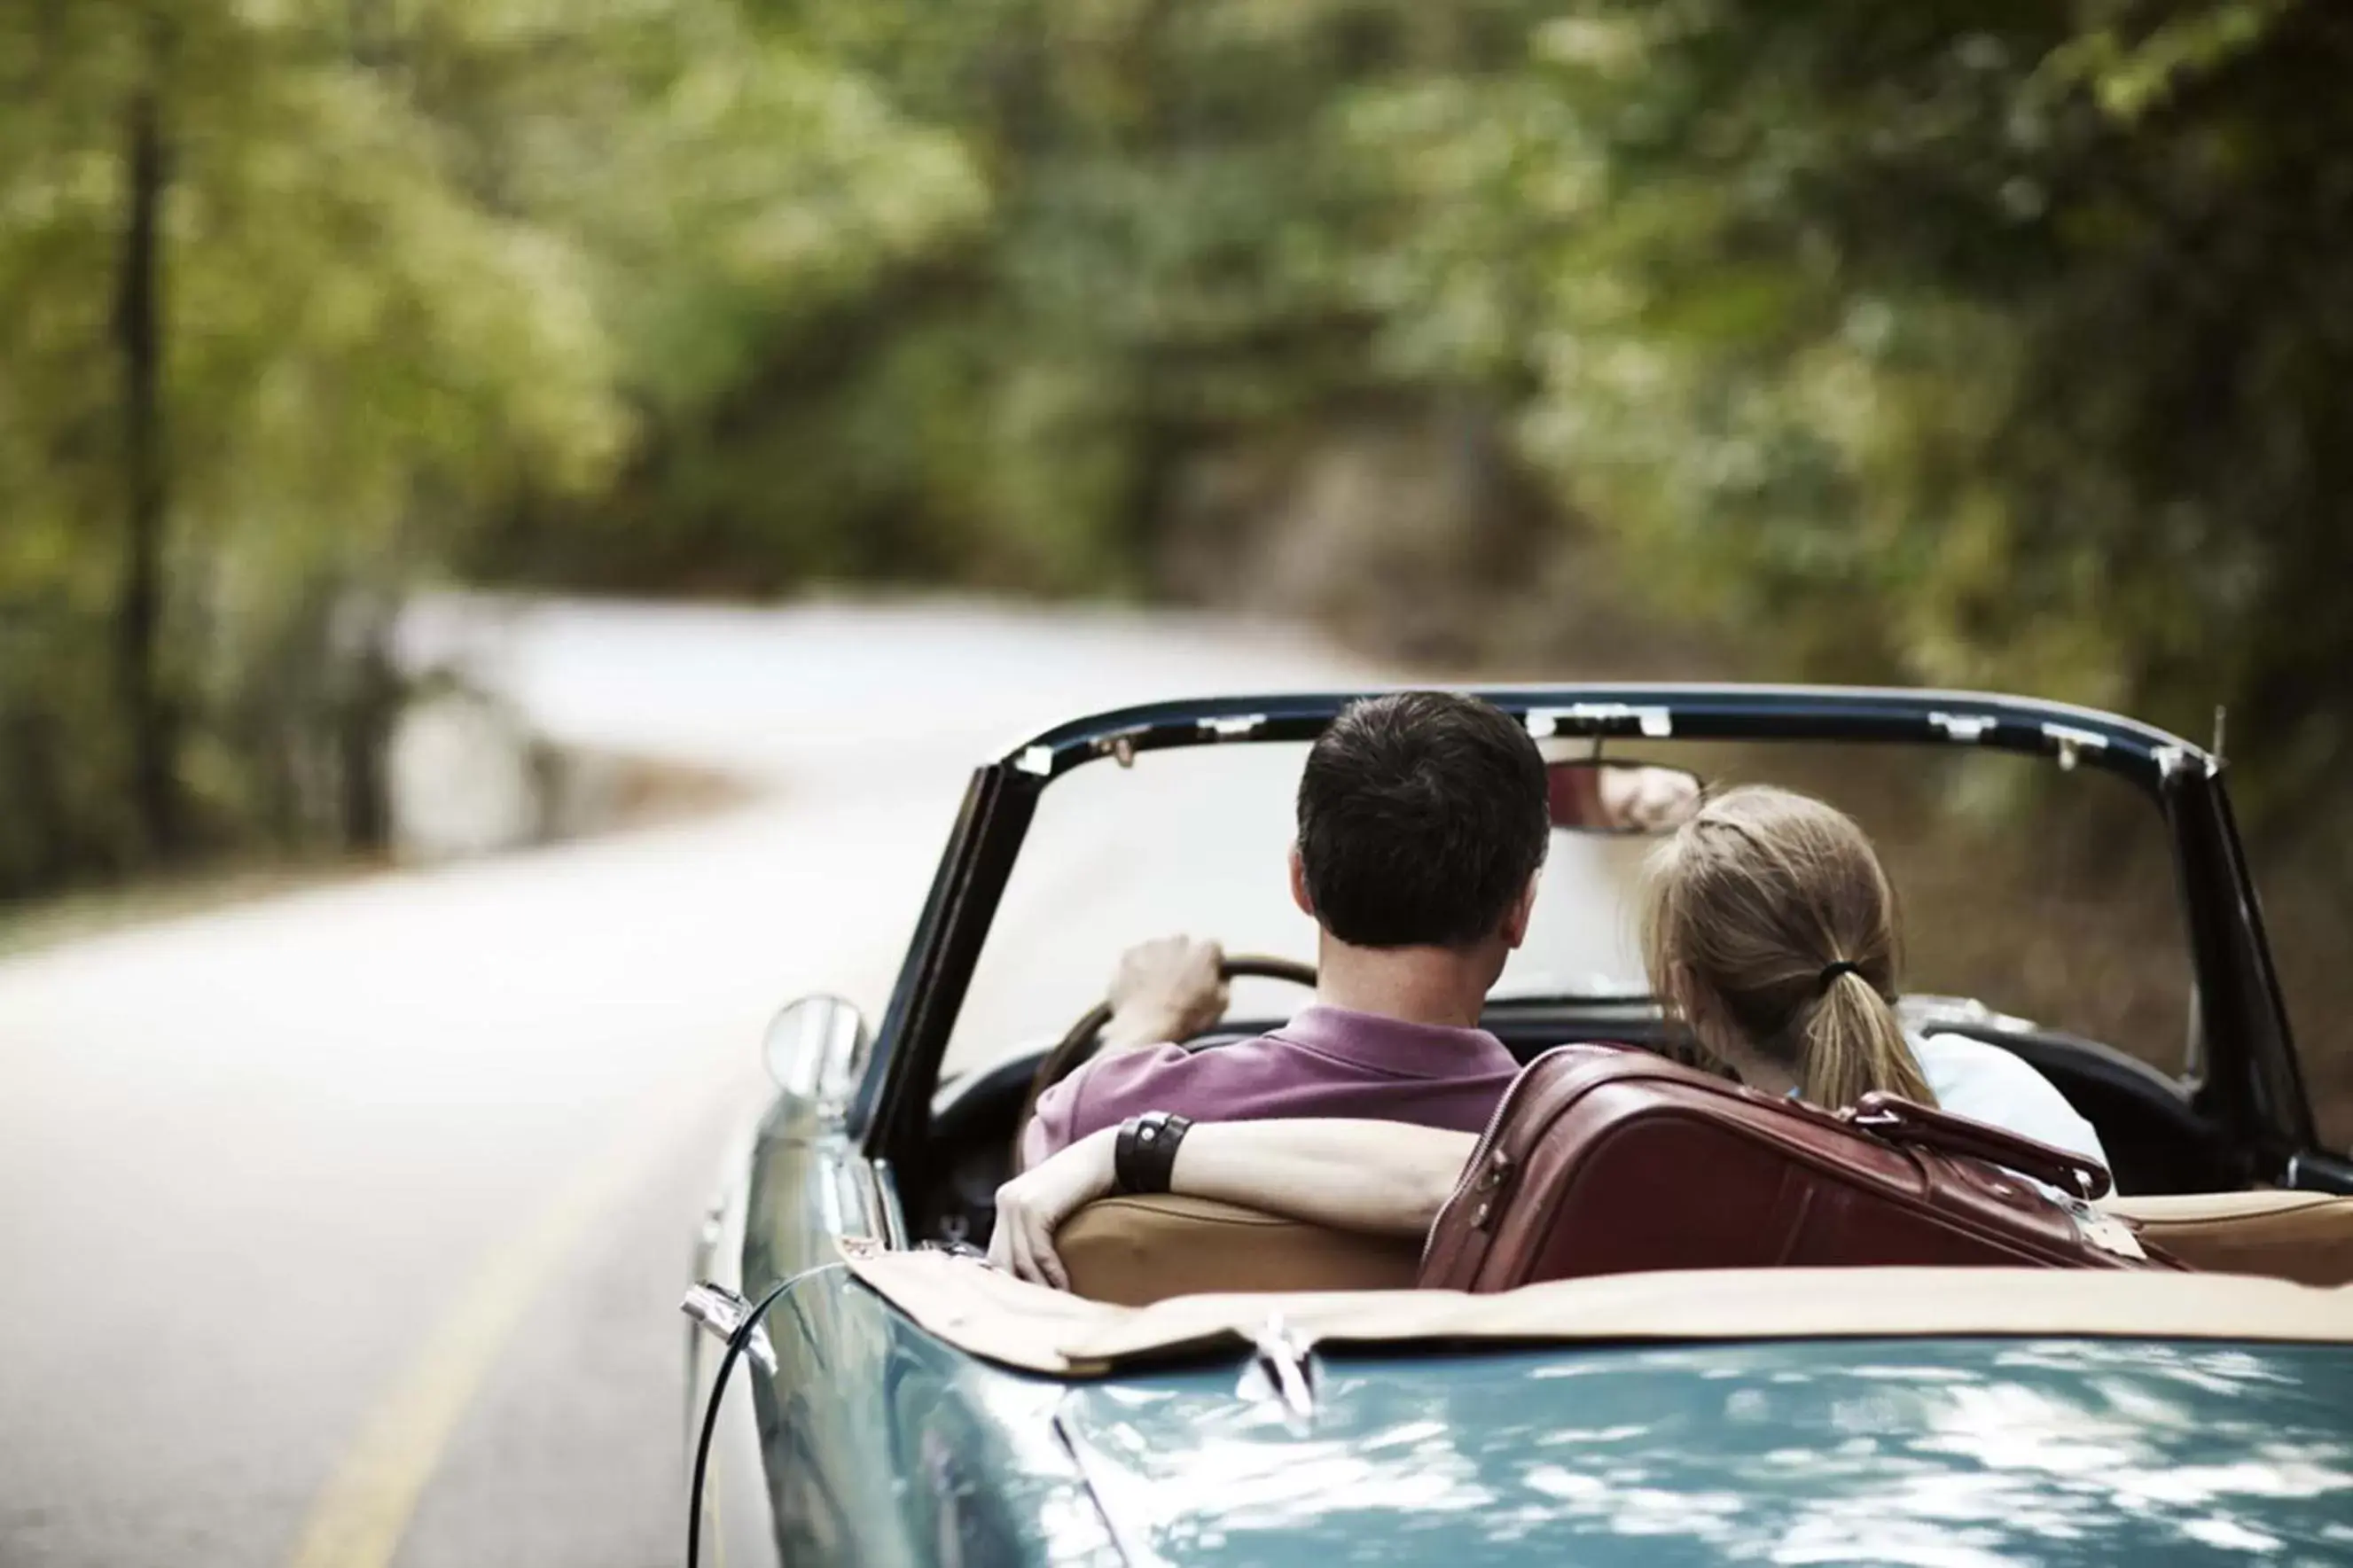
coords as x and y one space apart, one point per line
1957 1453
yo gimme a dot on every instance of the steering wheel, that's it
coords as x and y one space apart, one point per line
1079 1045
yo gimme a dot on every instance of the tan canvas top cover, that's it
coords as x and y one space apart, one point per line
993 1315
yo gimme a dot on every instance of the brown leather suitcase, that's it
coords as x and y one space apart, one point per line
1603 1160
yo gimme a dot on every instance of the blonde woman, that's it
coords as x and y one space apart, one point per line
1769 930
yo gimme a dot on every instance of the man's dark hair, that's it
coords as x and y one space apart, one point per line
1421 816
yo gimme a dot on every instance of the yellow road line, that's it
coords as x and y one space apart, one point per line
360 1515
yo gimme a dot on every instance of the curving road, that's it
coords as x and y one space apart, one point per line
347 1227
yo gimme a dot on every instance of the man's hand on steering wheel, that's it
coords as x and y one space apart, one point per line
1171 988
1165 991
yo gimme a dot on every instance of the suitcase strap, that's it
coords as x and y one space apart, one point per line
1908 1124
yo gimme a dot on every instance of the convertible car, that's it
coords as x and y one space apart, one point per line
1231 1387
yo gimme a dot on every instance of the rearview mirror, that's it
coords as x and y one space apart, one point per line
1609 794
817 1048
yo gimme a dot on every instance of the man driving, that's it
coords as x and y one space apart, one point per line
1423 821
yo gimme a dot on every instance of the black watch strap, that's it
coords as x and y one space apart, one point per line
1145 1156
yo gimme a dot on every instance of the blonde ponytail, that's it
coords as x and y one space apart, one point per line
1854 1045
1768 928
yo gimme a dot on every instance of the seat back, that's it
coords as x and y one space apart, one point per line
2304 1237
1140 1249
1133 1251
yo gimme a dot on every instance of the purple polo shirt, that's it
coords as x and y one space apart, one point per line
1327 1061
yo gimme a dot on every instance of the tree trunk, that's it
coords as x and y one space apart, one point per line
363 721
146 707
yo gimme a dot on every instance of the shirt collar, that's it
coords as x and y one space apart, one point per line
1395 1044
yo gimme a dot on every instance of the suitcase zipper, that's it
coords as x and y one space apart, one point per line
1491 1183
1481 1154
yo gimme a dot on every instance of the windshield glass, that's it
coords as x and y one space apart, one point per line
2007 873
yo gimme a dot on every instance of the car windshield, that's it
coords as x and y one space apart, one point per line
1194 841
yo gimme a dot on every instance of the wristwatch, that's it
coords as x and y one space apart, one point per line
1145 1156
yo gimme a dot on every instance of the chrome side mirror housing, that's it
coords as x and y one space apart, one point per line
817 1048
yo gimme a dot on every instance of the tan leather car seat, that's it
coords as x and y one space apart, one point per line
1133 1251
1137 1250
2306 1236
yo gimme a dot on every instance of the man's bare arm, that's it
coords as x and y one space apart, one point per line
1388 1178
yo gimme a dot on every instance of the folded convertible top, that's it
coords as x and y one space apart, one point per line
1005 1320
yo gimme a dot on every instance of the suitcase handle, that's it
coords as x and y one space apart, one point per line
1908 1123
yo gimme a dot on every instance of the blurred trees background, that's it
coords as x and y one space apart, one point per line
1997 345
299 295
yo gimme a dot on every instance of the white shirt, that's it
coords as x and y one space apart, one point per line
1986 1083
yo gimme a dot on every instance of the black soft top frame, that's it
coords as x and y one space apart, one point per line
1724 713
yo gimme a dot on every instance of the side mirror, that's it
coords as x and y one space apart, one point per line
1609 794
817 1048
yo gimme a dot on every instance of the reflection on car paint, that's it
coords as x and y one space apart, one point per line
886 1446
1961 1454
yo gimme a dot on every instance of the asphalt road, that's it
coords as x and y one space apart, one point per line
347 1227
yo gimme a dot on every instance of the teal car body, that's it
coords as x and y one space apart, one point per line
1886 1451
851 1435
1967 1453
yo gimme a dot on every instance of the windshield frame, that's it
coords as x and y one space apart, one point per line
2250 1085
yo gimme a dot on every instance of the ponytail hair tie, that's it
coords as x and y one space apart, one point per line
1830 972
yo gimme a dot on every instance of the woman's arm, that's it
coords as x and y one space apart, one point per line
1385 1177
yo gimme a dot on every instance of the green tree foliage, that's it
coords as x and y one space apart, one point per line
1977 344
403 261
1958 344
1989 346
1175 215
